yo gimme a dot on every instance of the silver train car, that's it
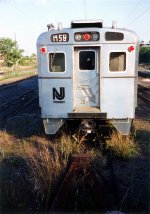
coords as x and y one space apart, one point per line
87 72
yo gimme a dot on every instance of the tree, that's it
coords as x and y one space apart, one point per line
144 55
33 58
10 51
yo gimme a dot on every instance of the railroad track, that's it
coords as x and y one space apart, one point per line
144 93
12 107
12 84
84 187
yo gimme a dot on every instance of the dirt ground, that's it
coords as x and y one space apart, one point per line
15 79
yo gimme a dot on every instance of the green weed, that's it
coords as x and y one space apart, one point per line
122 146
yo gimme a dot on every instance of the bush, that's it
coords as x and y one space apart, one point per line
144 55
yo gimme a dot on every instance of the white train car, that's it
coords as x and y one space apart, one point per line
87 72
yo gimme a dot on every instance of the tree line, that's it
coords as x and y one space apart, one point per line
11 54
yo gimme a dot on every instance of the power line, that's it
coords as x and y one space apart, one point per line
141 14
133 9
148 30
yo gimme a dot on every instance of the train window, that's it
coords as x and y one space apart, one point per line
117 61
56 62
114 36
86 60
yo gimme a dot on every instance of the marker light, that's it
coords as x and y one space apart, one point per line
87 36
78 37
43 50
131 48
95 36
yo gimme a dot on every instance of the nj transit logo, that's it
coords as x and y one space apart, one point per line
58 96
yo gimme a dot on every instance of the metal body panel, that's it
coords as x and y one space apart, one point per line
40 91
53 106
123 126
117 97
52 125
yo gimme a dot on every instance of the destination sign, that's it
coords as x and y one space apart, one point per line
60 37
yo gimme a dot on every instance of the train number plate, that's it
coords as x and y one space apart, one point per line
60 37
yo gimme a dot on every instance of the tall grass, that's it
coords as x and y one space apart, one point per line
46 160
122 146
45 165
10 145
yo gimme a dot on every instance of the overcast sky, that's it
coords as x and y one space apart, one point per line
24 20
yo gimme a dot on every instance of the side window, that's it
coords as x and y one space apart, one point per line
86 60
56 62
117 61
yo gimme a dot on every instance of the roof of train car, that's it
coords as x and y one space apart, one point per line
129 35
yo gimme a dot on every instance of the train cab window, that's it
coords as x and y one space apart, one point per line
117 61
56 62
86 60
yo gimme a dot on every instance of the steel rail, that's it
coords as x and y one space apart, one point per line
29 97
142 88
4 105
81 168
16 111
143 97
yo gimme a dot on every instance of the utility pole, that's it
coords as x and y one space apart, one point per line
85 9
15 39
15 36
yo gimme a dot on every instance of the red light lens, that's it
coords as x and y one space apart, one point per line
131 48
87 36
43 50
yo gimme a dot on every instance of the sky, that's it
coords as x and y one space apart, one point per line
25 20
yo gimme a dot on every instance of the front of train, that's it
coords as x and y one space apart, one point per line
87 73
